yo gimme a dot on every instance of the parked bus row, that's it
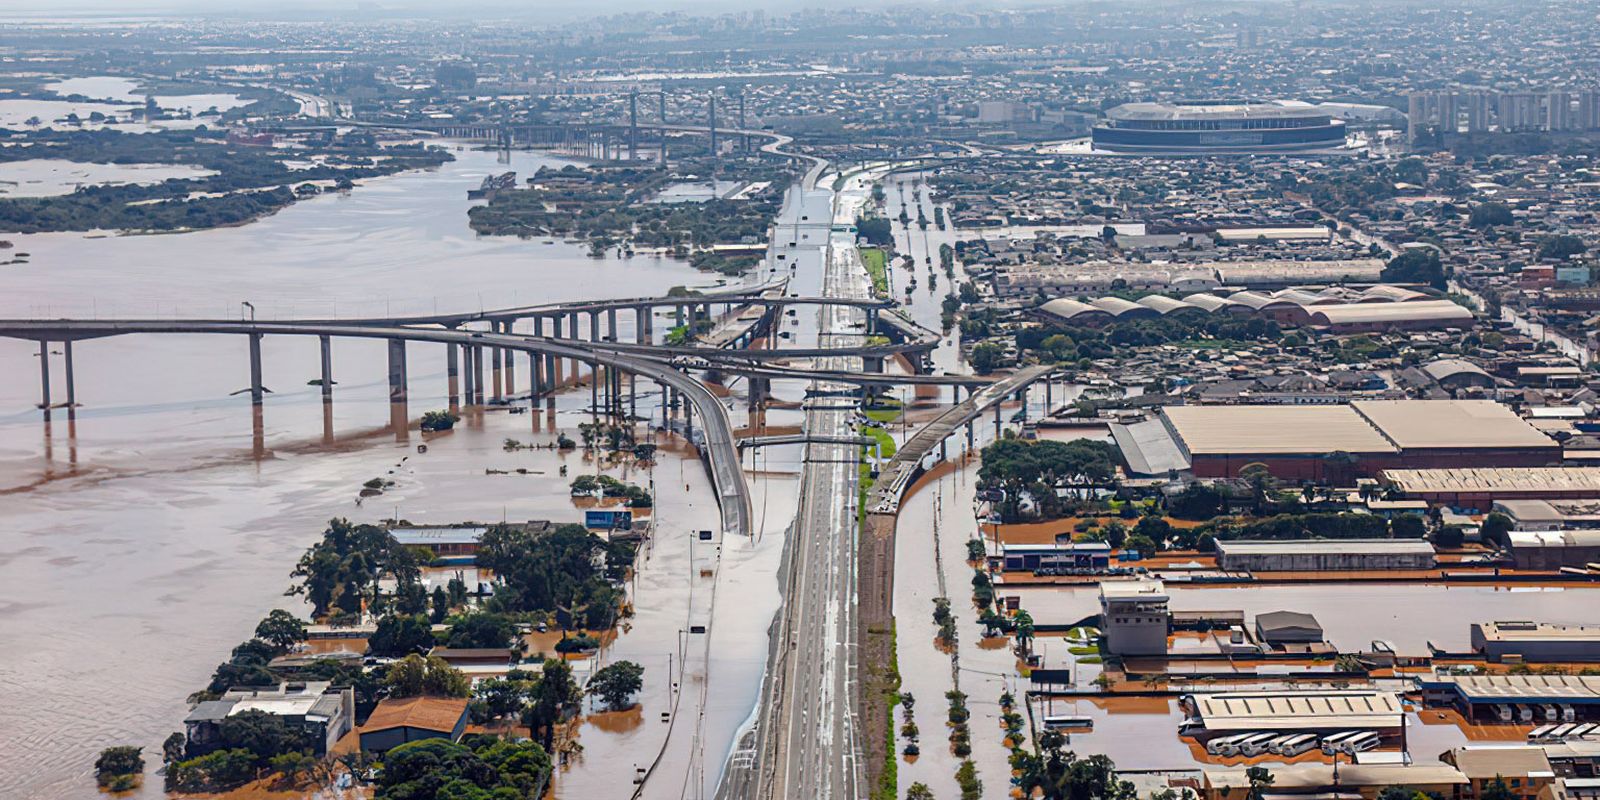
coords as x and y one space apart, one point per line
1291 744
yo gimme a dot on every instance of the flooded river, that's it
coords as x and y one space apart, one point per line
141 540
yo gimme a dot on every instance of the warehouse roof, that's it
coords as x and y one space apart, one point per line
1488 763
1316 775
1573 538
1298 710
1516 688
1451 423
426 713
1274 429
1517 631
1253 547
1437 311
1446 368
1494 480
1067 308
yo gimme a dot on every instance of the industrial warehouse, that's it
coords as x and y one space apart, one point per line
1322 555
1378 308
1217 127
1336 442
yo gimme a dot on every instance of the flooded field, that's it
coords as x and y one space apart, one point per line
146 534
47 177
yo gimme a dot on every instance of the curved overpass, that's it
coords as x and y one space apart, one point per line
721 450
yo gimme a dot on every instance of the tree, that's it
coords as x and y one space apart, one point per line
1260 779
293 766
555 695
398 635
1562 246
1023 629
617 683
875 230
919 791
1141 544
1197 501
1497 790
261 734
1408 526
478 768
1449 537
441 605
1154 529
502 697
1116 534
172 750
1486 215
1496 529
481 630
432 676
118 762
1416 265
985 357
281 630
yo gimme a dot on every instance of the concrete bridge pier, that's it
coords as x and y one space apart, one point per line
326 344
44 376
641 324
452 371
594 326
611 326
536 378
397 371
72 388
688 422
1023 395
594 388
572 325
872 364
477 375
497 373
677 315
256 391
511 362
997 421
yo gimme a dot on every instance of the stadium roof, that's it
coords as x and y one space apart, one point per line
1450 423
1184 111
1274 429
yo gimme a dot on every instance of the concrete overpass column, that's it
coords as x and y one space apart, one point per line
633 398
1023 393
997 421
44 375
255 369
641 324
1049 402
397 370
497 371
572 325
666 405
511 364
72 389
467 382
326 343
452 371
611 326
594 326
477 375
677 315
535 365
688 420
594 387
872 363
872 321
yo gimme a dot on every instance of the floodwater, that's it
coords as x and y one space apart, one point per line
144 535
47 177
124 90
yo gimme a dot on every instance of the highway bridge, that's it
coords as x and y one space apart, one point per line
719 445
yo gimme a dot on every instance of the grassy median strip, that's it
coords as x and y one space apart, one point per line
877 263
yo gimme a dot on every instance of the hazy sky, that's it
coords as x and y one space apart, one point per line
415 8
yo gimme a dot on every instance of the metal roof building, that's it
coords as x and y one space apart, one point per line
1318 555
1307 710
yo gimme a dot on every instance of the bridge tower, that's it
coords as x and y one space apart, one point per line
633 125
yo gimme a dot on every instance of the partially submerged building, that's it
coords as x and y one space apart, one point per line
1323 555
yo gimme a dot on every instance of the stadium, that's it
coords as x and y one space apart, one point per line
1202 128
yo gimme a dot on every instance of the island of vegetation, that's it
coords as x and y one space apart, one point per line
248 181
621 206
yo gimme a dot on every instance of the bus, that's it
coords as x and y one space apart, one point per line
1255 746
1217 745
1330 744
1366 740
1295 745
1239 747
